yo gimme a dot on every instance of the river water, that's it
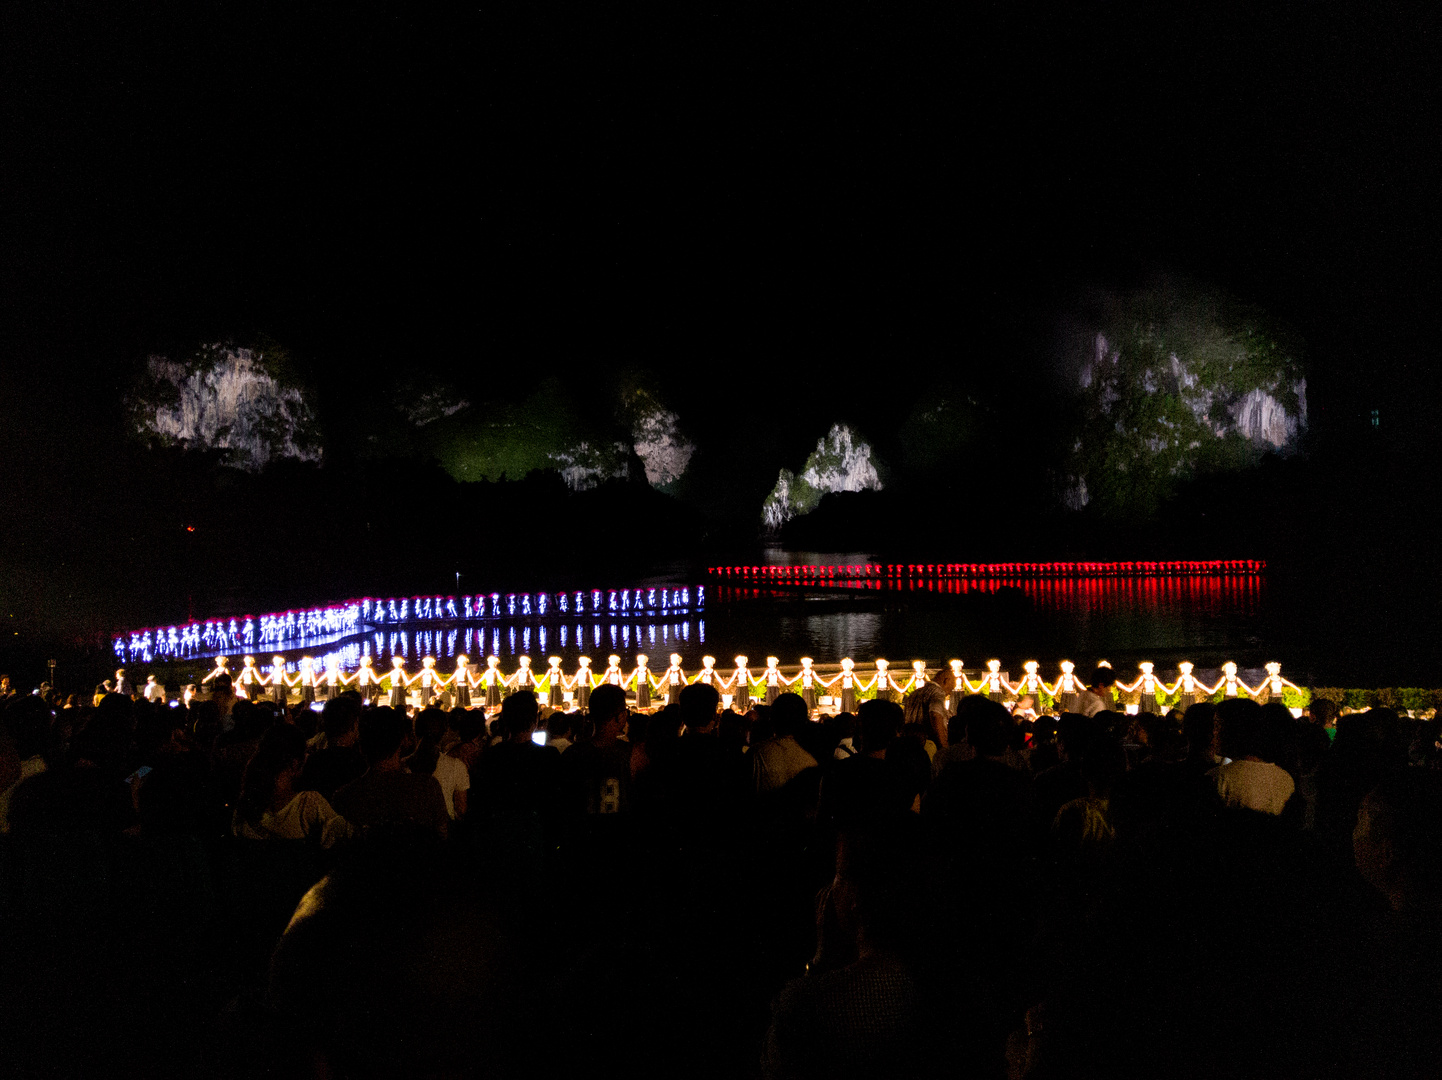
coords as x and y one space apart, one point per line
1207 619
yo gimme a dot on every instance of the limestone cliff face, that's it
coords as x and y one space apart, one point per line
587 465
1261 418
1216 398
661 447
425 405
1177 382
227 398
841 462
657 438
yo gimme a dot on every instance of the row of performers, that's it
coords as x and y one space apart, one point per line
488 684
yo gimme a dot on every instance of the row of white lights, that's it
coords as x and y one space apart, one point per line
291 628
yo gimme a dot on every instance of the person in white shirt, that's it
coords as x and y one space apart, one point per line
451 773
559 730
269 807
1250 780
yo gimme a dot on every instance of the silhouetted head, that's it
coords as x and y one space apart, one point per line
988 728
519 712
1322 712
908 770
789 714
700 705
608 705
880 722
281 751
381 733
1199 729
1239 729
339 716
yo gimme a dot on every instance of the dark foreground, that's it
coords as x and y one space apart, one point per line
677 895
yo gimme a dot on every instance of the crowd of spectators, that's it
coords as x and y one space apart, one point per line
222 890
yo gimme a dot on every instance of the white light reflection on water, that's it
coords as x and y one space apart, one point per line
1203 618
569 642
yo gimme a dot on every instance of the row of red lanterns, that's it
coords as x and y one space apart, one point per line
1011 569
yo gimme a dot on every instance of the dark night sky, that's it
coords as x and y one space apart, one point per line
715 192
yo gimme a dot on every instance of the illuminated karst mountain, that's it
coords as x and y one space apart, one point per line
228 398
842 461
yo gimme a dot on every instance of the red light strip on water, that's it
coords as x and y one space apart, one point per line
803 573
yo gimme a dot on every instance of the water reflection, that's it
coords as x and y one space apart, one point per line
529 639
1211 593
1202 618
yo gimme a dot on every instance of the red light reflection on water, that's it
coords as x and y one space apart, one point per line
1204 593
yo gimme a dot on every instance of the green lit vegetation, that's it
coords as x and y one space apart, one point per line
1164 371
508 439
